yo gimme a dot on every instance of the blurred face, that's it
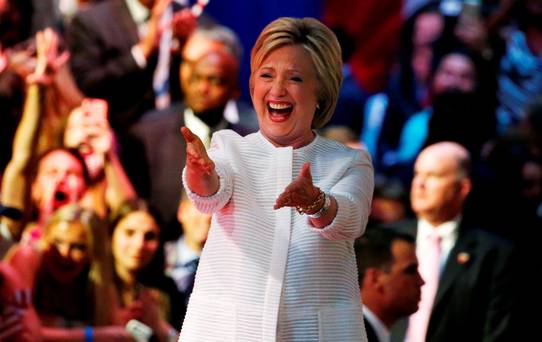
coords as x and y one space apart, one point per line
438 191
194 49
455 72
59 181
135 241
284 94
402 284
68 254
427 29
212 82
86 129
195 224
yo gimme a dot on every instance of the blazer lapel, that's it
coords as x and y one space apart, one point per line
460 257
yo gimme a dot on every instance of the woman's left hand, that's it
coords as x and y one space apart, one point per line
300 193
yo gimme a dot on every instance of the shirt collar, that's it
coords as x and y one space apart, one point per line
380 329
446 230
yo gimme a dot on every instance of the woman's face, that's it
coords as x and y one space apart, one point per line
68 253
135 241
284 93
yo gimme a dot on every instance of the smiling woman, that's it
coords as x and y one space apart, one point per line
287 204
69 275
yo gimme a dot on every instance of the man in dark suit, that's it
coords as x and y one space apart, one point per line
114 48
388 278
474 289
209 81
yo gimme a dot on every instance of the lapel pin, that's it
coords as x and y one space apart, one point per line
463 258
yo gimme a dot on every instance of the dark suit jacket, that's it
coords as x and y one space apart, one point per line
371 334
163 148
100 38
475 293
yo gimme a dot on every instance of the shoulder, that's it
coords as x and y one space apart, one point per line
337 151
485 238
158 119
26 260
97 11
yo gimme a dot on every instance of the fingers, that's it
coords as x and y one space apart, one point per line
187 134
196 155
306 172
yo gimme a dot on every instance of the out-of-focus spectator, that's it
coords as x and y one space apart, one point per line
70 277
407 90
469 273
389 280
209 81
58 177
458 112
18 319
182 255
88 131
520 70
145 292
115 53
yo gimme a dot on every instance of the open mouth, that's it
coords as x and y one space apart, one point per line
60 198
279 111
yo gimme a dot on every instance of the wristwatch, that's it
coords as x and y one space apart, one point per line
324 209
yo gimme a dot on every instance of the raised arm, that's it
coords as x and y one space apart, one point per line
16 176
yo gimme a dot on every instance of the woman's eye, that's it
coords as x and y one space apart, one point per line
265 75
296 79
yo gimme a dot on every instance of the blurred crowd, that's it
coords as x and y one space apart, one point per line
95 229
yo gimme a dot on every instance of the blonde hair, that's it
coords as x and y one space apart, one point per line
99 250
321 45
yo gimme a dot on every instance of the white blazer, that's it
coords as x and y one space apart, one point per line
269 275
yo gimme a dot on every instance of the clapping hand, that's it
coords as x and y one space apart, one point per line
201 176
196 156
300 193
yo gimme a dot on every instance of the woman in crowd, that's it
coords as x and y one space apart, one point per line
70 276
287 204
143 290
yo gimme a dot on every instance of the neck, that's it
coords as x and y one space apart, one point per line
126 276
211 117
194 245
379 311
294 143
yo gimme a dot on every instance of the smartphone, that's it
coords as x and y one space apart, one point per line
139 331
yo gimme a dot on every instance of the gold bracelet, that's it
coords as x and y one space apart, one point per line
314 205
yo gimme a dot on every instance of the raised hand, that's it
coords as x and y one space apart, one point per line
300 193
48 60
151 40
196 155
201 175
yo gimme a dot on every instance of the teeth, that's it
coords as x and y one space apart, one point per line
279 105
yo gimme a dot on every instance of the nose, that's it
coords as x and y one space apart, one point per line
278 88
203 86
64 251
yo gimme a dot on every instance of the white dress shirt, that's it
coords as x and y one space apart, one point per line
447 232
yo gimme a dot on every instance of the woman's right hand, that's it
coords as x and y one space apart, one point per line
201 175
196 156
